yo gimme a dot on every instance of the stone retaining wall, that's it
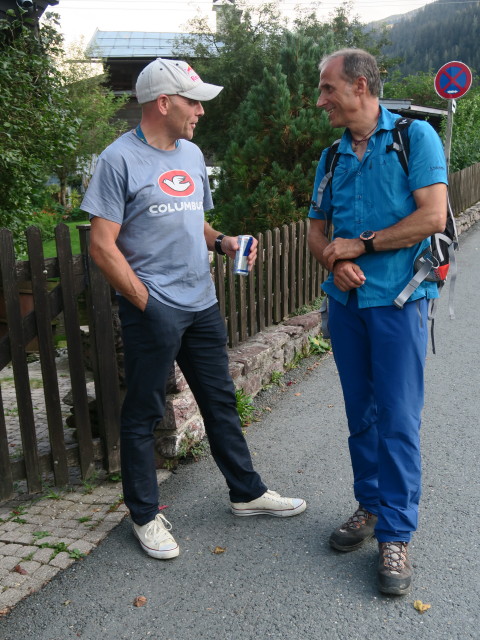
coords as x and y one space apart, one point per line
465 220
251 366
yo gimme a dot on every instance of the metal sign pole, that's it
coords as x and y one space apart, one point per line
448 136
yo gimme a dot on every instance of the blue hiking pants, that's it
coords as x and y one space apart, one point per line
153 339
380 355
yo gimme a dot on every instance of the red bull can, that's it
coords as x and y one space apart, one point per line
240 265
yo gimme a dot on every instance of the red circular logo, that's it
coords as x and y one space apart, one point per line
176 183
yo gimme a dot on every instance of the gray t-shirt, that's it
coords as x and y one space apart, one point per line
159 199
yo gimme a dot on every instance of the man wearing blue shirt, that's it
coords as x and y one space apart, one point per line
382 219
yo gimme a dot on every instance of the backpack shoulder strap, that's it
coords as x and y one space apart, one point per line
332 156
401 141
330 164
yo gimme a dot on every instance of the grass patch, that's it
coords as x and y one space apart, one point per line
245 407
191 447
50 248
307 308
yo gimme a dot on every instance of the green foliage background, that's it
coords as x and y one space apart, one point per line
264 129
437 33
35 122
53 117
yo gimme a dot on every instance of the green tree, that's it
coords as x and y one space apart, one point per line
419 88
465 149
278 133
247 41
268 170
93 107
35 117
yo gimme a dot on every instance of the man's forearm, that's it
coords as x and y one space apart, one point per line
121 276
317 241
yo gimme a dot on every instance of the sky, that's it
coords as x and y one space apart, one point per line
80 18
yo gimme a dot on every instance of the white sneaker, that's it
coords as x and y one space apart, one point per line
270 504
155 538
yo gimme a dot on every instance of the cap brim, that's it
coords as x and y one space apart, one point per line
202 92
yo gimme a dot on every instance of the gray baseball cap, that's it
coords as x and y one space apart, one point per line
172 77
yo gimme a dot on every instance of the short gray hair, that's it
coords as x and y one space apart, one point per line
356 63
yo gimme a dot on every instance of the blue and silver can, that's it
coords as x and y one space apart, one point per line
240 265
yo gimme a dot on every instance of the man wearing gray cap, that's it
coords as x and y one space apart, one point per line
146 202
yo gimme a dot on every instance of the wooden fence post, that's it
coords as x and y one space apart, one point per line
47 356
268 278
252 304
19 362
232 305
300 257
285 262
103 355
260 283
277 296
293 267
219 277
6 479
75 352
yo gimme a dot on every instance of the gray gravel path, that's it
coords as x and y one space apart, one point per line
277 577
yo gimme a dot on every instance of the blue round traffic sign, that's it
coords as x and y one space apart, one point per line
453 80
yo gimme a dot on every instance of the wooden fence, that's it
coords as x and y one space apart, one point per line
285 278
464 188
55 287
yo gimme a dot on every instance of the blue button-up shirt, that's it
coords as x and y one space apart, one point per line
375 193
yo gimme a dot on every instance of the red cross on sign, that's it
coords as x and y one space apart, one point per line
453 80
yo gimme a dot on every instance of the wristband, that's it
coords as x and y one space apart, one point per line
218 244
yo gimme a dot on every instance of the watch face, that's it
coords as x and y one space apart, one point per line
367 235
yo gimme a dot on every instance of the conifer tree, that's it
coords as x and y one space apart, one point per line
269 167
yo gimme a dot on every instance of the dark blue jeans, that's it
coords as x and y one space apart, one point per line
152 340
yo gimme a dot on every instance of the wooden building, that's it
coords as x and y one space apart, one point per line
125 53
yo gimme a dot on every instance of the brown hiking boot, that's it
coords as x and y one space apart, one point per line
394 569
356 531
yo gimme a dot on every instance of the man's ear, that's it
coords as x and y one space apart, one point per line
162 104
361 86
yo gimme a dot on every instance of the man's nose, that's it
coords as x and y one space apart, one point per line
200 110
321 102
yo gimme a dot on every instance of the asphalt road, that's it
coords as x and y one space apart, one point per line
278 578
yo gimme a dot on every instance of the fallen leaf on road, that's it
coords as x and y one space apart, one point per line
420 607
20 570
218 550
140 601
298 394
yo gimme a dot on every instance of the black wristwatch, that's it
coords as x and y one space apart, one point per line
367 238
218 244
